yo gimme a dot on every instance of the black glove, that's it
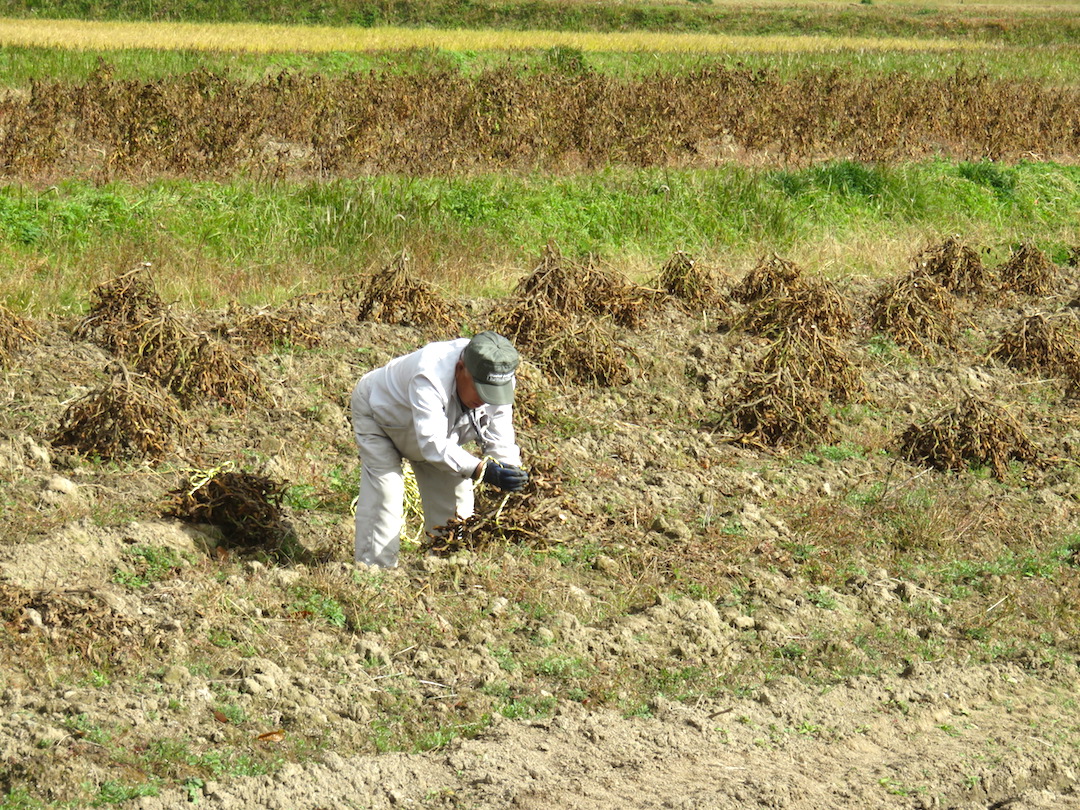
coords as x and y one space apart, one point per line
505 476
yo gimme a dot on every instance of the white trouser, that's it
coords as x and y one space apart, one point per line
380 506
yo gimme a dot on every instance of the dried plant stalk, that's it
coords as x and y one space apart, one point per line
974 432
124 419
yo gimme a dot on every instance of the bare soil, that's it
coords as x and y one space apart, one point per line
704 623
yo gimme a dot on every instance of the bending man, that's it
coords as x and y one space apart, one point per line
423 407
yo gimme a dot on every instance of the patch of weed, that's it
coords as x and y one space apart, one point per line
147 564
310 602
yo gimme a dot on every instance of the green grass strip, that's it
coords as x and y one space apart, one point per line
258 242
22 65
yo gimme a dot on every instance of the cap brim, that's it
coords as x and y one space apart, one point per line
495 394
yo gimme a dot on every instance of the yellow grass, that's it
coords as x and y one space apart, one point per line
103 36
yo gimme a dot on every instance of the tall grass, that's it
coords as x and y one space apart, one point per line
211 242
20 65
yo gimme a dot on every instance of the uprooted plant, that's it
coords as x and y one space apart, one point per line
1042 344
128 318
394 296
126 418
524 517
915 310
119 309
245 507
973 432
297 323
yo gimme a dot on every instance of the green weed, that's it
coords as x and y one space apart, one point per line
528 707
309 601
563 666
19 798
115 792
147 564
444 735
822 599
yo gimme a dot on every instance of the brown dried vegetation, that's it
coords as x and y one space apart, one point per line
119 310
782 398
15 332
517 517
574 348
815 304
579 289
72 620
394 296
974 432
956 267
913 310
770 278
564 317
691 287
128 318
440 121
1028 271
1044 345
124 419
246 507
258 329
204 368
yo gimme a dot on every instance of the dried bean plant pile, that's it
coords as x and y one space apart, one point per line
15 332
956 267
1028 271
258 329
575 288
690 286
524 517
130 417
245 507
782 399
916 312
975 432
210 369
815 304
120 310
770 278
395 296
129 319
563 317
1042 344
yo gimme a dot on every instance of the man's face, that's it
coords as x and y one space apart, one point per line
466 388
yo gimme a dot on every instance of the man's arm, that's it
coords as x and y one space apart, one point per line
500 441
428 404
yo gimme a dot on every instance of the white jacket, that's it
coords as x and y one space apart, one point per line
414 399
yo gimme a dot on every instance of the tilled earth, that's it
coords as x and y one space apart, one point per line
700 622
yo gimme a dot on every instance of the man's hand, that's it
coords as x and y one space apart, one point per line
504 476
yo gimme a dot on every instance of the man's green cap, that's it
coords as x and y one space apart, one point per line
491 361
